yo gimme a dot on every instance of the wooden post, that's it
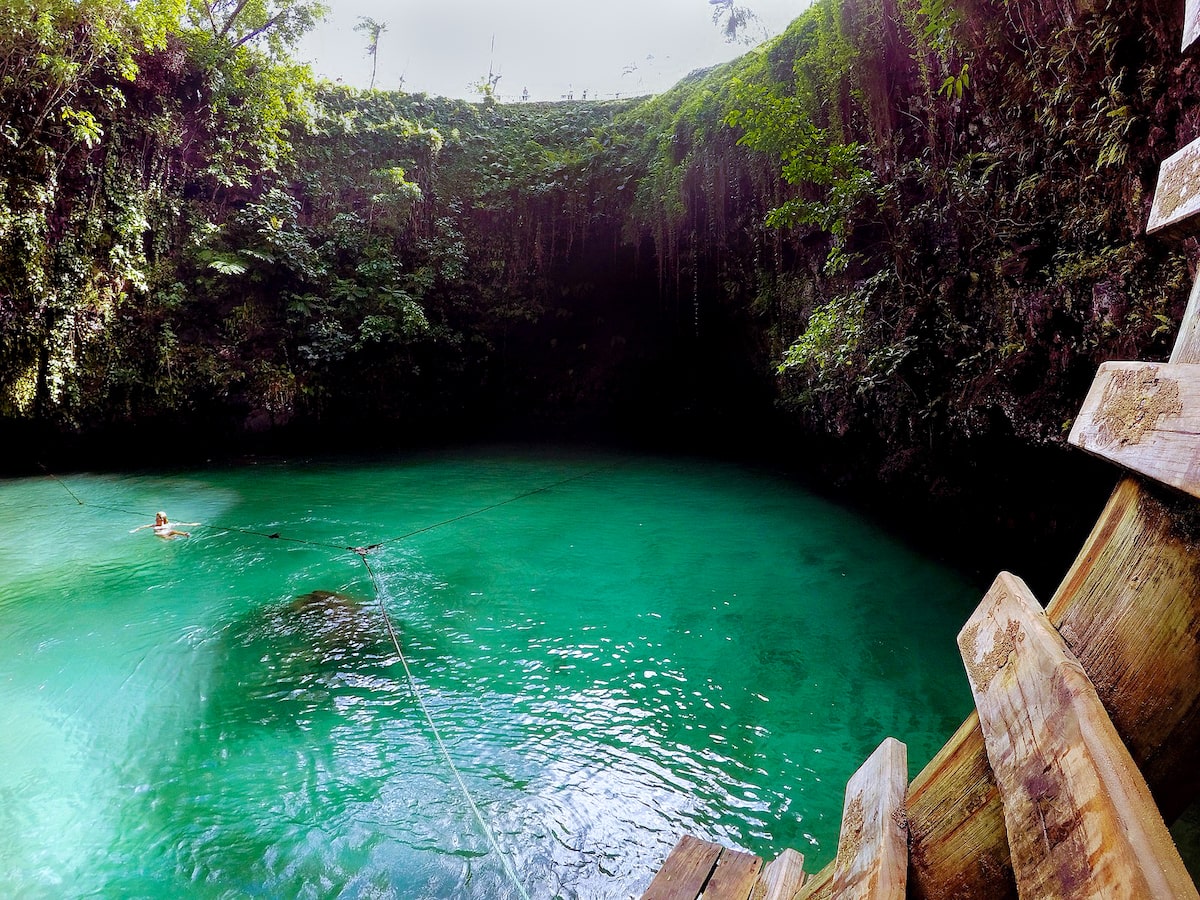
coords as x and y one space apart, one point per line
1080 819
958 847
1129 609
872 859
782 878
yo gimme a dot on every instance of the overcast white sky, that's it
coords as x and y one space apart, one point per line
552 47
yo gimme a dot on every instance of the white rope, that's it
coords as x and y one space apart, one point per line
437 737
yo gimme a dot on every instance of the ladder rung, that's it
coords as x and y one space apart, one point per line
1145 417
1177 196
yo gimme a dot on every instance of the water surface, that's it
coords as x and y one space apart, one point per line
614 651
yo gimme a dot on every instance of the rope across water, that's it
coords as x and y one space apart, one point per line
437 737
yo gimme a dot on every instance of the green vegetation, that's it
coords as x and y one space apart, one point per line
912 225
960 192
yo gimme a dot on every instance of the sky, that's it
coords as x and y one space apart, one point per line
555 49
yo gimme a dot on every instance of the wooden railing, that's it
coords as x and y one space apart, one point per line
1085 739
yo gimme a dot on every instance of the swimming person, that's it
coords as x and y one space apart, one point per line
163 527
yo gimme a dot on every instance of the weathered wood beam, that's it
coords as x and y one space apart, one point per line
819 887
1177 196
686 870
735 876
958 848
1145 417
781 878
872 858
1129 609
1080 819
1191 25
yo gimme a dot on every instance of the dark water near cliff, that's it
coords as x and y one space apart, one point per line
614 649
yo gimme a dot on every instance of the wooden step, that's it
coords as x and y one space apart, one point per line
735 876
1177 196
697 868
1079 816
1145 417
686 870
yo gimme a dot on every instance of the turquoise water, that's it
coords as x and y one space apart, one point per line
614 650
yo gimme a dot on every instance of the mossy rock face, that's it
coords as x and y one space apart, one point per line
837 237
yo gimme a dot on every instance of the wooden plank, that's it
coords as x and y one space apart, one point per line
782 877
1145 417
1177 197
872 858
1080 819
958 849
1129 609
734 876
1191 25
685 872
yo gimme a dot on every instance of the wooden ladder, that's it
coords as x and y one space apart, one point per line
1086 731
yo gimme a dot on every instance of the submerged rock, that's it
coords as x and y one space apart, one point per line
338 625
289 662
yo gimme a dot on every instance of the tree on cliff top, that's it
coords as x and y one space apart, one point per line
278 24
